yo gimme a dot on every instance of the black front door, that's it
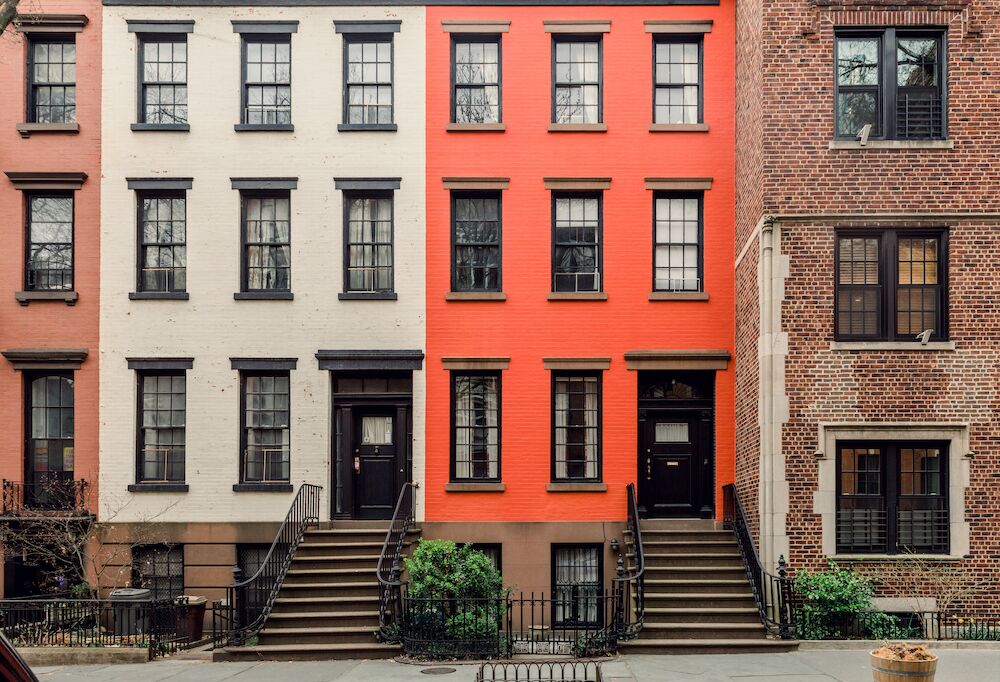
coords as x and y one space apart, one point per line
375 450
673 460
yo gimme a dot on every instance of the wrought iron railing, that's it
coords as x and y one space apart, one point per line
540 671
880 625
628 585
919 116
248 602
390 567
773 593
49 495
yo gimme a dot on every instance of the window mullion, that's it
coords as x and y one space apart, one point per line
892 498
889 88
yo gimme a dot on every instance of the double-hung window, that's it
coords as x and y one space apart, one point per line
267 81
891 285
576 242
892 80
368 260
892 497
475 79
368 81
163 79
265 428
576 79
475 426
476 239
49 253
576 427
677 242
577 581
162 241
266 241
51 78
162 417
677 77
160 569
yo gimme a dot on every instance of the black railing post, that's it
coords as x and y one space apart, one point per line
784 600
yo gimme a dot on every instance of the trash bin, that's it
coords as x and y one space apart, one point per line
131 611
190 617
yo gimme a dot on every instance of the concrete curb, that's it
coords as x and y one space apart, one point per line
869 644
67 655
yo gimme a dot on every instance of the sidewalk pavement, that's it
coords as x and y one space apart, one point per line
799 666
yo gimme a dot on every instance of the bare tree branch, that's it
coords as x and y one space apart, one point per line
8 10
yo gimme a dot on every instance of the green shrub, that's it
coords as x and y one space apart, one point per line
440 568
837 604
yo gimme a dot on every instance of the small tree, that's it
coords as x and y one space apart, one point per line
950 584
837 604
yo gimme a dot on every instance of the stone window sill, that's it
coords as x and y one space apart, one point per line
895 557
678 296
367 296
578 128
158 296
158 488
906 346
678 127
892 144
262 487
496 296
578 296
161 127
577 487
29 129
263 296
26 297
475 487
264 127
475 127
356 127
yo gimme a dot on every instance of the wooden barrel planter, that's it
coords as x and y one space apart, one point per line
890 670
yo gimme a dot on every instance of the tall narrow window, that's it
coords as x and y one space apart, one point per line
50 243
266 427
267 80
918 289
368 79
369 244
475 79
576 252
266 242
677 243
50 456
163 68
576 427
476 241
162 416
476 424
576 77
576 585
51 79
159 569
162 239
677 81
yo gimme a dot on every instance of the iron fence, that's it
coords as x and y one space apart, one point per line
51 494
540 671
909 625
390 567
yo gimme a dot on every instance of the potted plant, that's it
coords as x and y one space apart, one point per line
902 662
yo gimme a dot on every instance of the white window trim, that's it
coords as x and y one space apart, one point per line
959 456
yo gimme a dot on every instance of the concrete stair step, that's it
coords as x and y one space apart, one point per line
307 652
318 635
671 587
698 600
702 630
337 549
327 589
285 604
694 560
367 562
740 615
703 547
707 646
333 570
674 572
322 619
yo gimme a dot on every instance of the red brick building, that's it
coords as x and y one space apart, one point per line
867 314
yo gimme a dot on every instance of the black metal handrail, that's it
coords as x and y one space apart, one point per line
49 495
628 586
249 602
389 569
773 593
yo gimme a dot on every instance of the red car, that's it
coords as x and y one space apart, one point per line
12 666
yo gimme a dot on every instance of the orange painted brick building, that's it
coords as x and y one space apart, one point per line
580 199
50 74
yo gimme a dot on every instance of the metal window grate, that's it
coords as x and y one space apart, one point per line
159 568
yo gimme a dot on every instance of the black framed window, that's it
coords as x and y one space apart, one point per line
51 78
892 79
891 285
576 79
163 79
49 253
162 416
162 241
267 79
576 427
577 582
475 446
265 429
267 257
576 242
892 497
677 242
160 569
50 441
368 79
476 240
476 79
677 76
368 260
